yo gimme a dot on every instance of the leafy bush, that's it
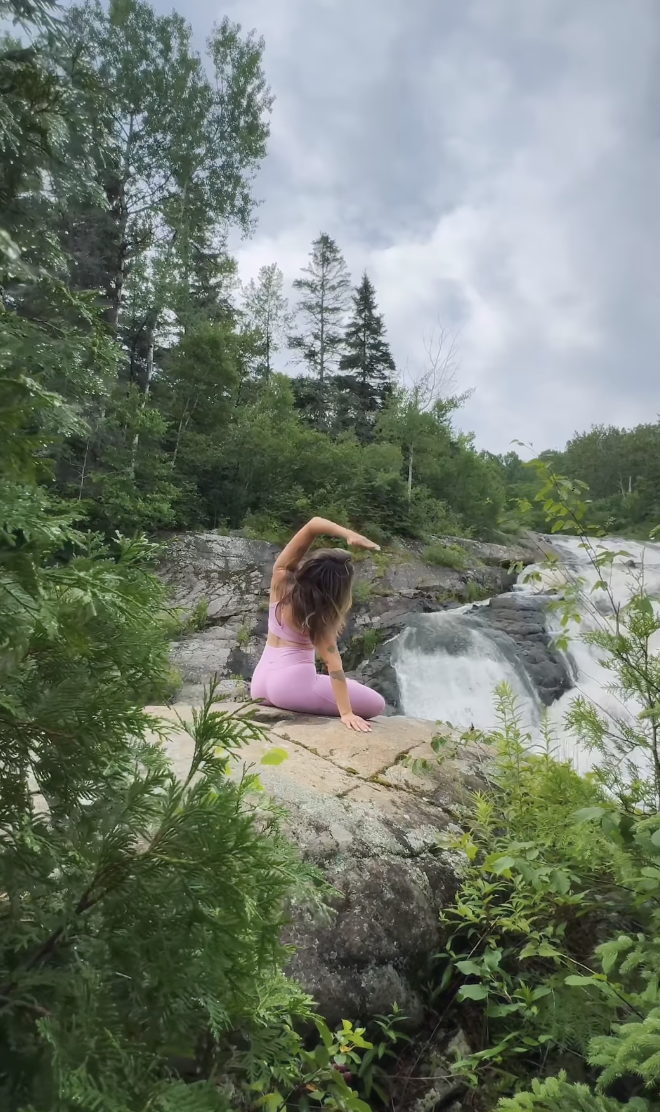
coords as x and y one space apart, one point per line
474 592
444 556
556 1094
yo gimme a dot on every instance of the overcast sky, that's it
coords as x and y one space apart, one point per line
495 166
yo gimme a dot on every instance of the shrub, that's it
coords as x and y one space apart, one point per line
474 592
362 592
444 556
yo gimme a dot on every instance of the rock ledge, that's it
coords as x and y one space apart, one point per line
359 811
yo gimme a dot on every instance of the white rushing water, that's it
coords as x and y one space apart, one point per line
448 664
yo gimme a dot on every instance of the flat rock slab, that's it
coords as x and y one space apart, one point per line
357 808
364 754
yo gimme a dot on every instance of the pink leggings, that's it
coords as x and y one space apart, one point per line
287 678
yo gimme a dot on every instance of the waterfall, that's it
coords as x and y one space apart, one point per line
448 666
449 663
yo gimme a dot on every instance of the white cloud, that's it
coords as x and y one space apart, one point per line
493 164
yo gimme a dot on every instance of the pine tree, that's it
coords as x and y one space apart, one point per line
267 311
367 364
322 307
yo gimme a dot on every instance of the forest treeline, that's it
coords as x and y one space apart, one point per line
127 159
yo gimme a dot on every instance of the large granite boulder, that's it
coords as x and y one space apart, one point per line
370 821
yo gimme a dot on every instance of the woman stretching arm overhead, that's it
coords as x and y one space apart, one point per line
310 597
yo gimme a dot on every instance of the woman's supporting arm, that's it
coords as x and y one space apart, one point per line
330 656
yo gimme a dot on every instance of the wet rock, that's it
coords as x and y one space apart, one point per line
523 619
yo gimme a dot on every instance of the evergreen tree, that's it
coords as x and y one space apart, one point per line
367 364
267 311
322 307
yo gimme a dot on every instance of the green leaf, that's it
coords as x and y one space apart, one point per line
501 864
325 1033
548 951
576 979
274 757
322 1056
469 968
358 1105
498 1011
472 992
492 959
589 814
528 951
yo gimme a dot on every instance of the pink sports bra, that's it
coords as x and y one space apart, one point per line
285 631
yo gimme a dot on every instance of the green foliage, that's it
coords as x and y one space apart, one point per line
362 592
474 592
243 636
553 936
554 872
141 915
555 1094
267 311
619 467
325 292
360 647
184 423
515 923
444 555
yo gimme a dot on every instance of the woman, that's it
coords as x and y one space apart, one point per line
310 596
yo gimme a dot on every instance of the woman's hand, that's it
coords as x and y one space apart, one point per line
356 540
354 722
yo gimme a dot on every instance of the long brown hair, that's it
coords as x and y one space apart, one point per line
319 593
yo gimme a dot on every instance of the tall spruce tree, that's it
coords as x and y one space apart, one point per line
322 307
267 311
367 365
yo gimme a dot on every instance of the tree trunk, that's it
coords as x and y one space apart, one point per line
83 473
410 473
322 363
183 425
145 398
119 206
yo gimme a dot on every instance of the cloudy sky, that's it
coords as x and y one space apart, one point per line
495 166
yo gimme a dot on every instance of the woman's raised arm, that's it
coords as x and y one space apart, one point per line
299 545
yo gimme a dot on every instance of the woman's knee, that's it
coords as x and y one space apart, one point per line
366 702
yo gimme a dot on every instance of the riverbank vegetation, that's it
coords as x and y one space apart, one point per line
552 964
